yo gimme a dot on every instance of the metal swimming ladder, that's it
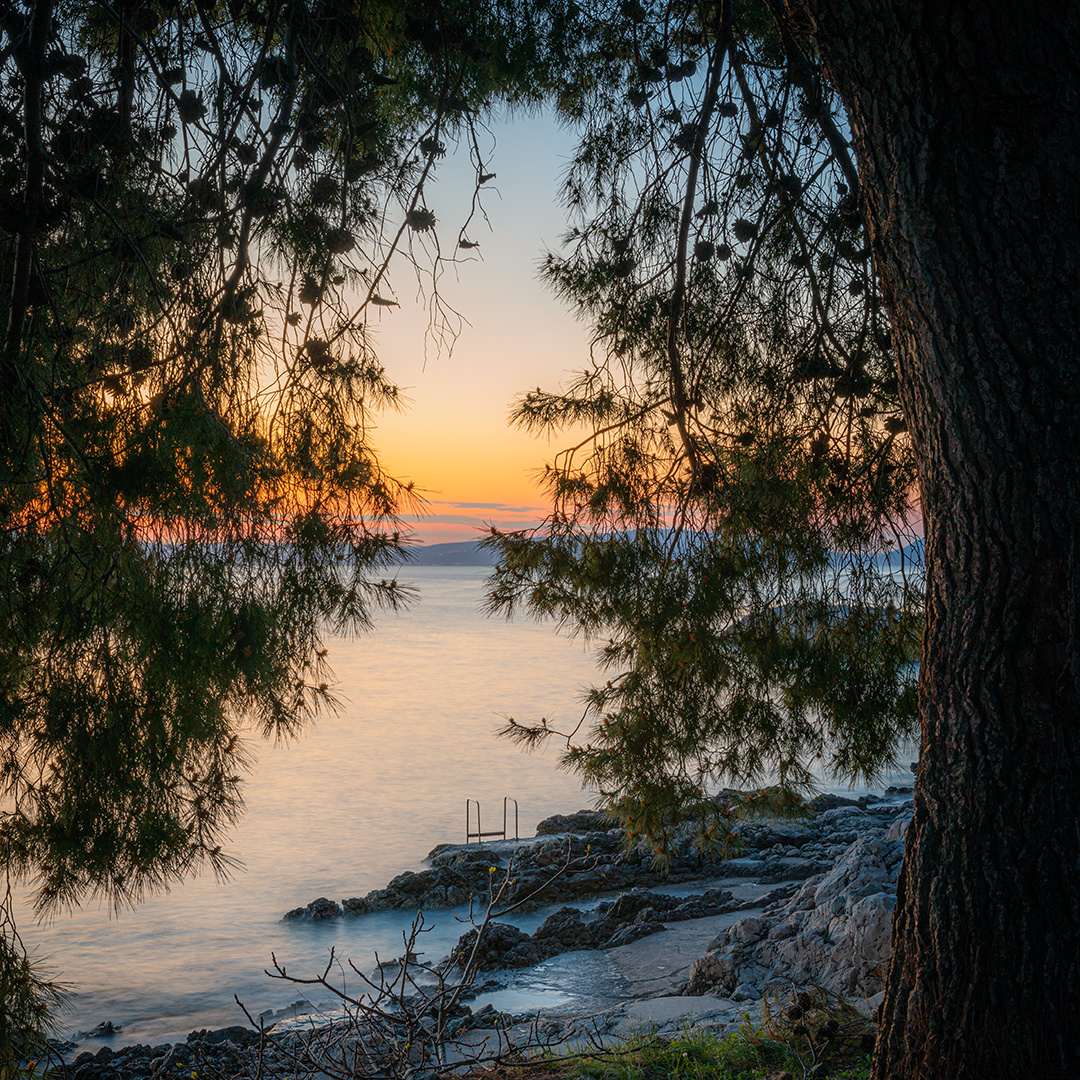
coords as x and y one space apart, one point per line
479 836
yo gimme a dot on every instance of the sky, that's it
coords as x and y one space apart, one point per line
454 441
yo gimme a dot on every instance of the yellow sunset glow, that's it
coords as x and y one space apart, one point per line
453 441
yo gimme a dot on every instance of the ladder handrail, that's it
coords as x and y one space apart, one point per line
506 799
479 836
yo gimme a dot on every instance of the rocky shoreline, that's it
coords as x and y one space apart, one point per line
806 902
598 862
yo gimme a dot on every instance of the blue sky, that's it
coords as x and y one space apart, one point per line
453 441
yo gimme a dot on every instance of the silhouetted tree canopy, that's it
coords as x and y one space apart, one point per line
828 249
204 208
737 529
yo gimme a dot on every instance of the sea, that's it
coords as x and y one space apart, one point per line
361 797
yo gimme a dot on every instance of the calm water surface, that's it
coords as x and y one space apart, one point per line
338 813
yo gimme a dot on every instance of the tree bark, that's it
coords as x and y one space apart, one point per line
964 118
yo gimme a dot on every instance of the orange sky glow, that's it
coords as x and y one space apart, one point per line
453 440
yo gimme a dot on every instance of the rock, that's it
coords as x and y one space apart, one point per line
472 857
712 973
870 928
747 931
564 931
745 867
105 1030
862 864
628 905
502 945
411 883
221 1050
224 1052
789 868
842 814
898 829
633 915
634 932
781 931
322 908
835 931
821 803
584 821
712 902
461 872
237 1035
487 1017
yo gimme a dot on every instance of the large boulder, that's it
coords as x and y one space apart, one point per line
835 932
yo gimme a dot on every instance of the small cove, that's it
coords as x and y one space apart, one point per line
340 812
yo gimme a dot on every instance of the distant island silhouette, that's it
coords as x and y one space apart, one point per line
468 553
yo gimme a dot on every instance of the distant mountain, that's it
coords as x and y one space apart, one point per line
469 553
466 554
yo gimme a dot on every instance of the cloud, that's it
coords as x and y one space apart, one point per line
460 519
491 506
442 519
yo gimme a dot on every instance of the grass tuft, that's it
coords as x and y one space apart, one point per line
810 1035
696 1054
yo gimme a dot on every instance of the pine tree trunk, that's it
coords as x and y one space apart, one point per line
966 125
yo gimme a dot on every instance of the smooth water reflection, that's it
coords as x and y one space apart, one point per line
338 813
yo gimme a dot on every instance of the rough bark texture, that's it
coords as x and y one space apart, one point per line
966 127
